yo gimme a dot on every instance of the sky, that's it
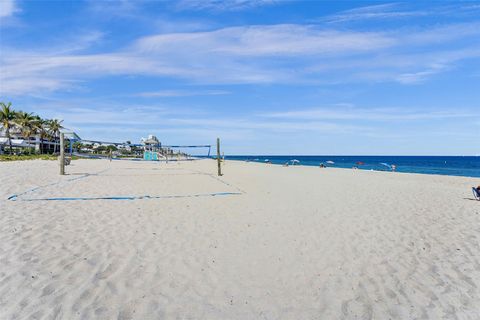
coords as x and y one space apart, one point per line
266 76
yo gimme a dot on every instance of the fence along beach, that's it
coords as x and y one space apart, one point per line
259 241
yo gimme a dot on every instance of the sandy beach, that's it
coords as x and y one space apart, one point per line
261 242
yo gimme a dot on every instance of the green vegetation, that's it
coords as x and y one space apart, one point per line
26 125
11 157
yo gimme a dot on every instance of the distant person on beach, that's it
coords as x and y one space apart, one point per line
394 167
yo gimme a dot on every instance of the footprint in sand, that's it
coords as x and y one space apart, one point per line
48 290
356 309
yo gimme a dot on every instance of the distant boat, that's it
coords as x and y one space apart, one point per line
330 162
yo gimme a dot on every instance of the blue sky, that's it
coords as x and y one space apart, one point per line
268 77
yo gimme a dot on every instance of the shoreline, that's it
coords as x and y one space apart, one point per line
358 169
75 158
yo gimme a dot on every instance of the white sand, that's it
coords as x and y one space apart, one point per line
298 243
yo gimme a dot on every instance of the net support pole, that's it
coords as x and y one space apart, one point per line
218 158
62 154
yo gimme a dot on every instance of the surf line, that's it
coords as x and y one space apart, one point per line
145 197
16 197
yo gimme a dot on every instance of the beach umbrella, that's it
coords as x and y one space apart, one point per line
295 161
360 163
330 162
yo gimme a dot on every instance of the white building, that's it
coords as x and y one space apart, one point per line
18 141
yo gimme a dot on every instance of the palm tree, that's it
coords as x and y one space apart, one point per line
7 116
41 128
55 126
26 123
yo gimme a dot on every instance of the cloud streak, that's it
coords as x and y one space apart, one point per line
344 113
266 40
181 93
223 5
381 11
7 8
282 53
116 120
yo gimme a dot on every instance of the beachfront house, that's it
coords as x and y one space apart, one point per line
20 143
151 147
151 143
125 147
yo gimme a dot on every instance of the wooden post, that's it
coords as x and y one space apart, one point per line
218 158
62 154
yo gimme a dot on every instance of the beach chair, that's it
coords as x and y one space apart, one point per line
476 193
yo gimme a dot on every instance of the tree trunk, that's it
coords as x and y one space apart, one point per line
55 143
7 132
27 141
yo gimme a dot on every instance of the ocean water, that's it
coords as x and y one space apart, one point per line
468 166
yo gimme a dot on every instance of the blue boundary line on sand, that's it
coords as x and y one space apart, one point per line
218 179
16 196
145 197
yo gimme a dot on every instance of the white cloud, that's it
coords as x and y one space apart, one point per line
266 40
223 5
382 11
181 93
391 11
109 9
440 34
249 54
187 55
7 8
31 83
419 76
370 127
345 112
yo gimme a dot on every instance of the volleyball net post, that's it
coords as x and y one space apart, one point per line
219 164
61 158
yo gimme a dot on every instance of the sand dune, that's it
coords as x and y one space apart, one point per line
273 243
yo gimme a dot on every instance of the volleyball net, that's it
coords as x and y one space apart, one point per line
127 151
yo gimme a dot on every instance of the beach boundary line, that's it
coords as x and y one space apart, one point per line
218 179
18 196
145 197
14 197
